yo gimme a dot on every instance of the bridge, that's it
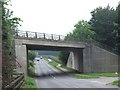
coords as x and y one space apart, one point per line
84 57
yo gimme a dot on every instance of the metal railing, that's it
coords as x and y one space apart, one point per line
30 34
16 84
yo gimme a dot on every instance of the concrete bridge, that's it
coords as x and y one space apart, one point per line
83 56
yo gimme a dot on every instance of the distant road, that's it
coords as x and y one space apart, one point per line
49 79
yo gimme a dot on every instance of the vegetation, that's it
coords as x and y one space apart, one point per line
81 32
63 56
94 75
31 67
103 27
31 55
81 76
9 25
117 83
30 83
55 58
55 65
102 22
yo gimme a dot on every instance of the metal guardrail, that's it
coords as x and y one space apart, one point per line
30 34
16 84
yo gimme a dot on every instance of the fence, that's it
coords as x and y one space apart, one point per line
16 84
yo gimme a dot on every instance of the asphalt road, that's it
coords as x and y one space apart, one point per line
49 77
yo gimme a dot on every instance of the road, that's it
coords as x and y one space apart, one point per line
49 77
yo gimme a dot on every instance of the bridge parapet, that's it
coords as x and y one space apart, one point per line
29 34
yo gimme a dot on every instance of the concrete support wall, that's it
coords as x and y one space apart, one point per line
21 57
87 58
75 60
99 60
95 59
103 60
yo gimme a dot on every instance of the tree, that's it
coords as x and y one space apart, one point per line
116 31
63 56
9 25
31 55
102 23
81 32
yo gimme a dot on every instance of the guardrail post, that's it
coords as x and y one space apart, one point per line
59 37
44 35
35 34
26 34
52 36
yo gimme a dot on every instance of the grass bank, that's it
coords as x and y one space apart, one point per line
55 58
94 75
30 82
31 68
117 83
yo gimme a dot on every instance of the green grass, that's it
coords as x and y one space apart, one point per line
30 83
103 74
54 64
69 69
94 75
54 58
83 76
31 68
117 83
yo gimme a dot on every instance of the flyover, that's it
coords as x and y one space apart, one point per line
83 56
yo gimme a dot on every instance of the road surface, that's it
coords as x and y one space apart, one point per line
49 77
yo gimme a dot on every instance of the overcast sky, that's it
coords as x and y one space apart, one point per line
55 16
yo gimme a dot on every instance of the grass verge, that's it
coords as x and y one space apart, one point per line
94 75
54 64
30 83
83 76
117 83
31 68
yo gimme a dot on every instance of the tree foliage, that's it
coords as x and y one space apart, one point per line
31 55
81 32
63 56
9 25
102 22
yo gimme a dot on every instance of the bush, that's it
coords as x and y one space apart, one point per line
31 55
31 63
63 56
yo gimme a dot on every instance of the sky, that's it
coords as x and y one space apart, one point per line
55 16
